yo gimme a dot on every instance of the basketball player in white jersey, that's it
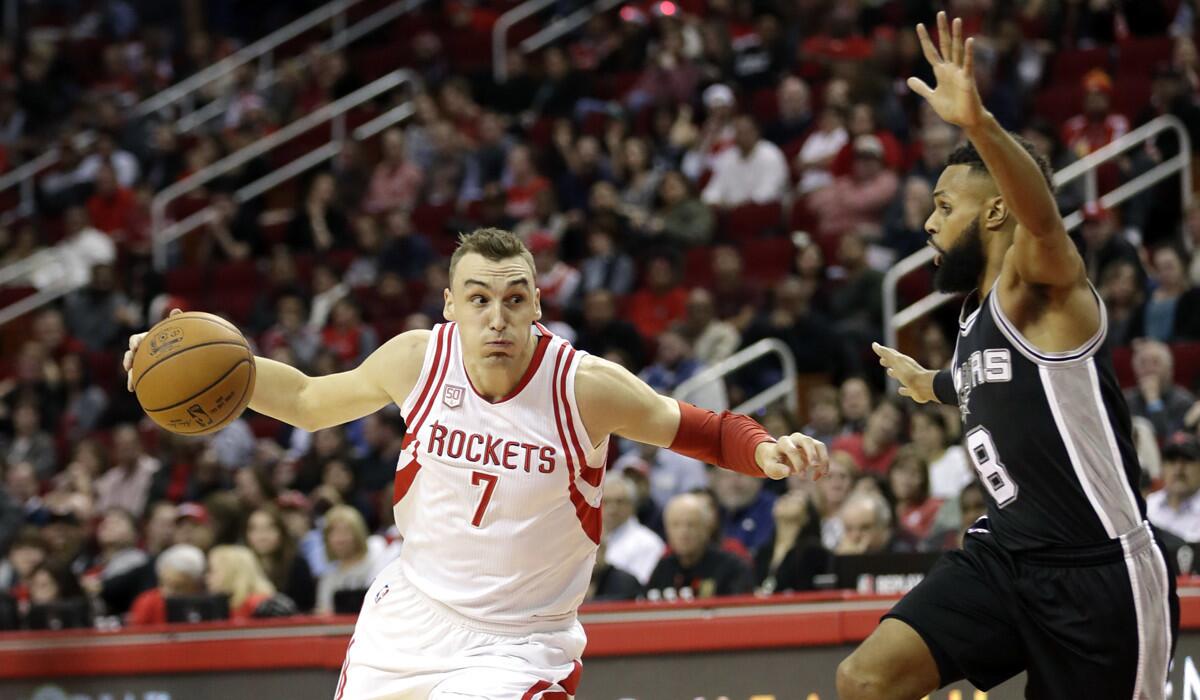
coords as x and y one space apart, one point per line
497 490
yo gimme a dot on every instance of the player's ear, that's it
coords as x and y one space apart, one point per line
995 212
537 304
447 305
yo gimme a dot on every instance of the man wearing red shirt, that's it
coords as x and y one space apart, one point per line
875 447
111 206
1097 126
660 302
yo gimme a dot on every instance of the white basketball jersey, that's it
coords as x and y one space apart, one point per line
499 503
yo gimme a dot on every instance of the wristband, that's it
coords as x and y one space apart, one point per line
943 388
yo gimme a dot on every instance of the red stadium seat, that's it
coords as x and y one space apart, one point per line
431 219
697 267
749 221
239 274
1122 359
1136 58
187 281
1187 363
770 259
263 426
764 105
234 304
1059 103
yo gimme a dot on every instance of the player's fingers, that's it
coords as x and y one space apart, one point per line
777 470
176 312
969 58
927 46
822 460
944 41
918 86
127 361
904 391
793 454
956 43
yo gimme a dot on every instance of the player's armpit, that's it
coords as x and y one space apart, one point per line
315 403
613 401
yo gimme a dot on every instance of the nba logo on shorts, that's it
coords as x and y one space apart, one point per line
453 396
382 592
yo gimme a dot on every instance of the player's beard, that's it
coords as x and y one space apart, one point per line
962 264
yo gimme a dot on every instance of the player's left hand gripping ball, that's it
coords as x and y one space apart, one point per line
793 454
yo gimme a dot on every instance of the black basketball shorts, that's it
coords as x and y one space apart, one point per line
1093 623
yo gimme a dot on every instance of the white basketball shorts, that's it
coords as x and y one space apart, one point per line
406 648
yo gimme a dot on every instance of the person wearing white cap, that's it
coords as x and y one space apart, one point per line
717 134
753 171
859 198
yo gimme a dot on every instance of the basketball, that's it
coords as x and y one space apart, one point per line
193 373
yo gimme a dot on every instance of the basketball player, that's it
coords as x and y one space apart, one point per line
497 490
1062 578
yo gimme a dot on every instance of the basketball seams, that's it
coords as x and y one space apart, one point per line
138 381
215 382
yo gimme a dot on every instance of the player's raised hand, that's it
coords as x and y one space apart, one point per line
793 454
134 341
955 99
916 382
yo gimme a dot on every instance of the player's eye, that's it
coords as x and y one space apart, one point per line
945 208
478 299
516 299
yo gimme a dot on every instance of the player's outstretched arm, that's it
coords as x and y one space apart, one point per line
1043 252
613 401
312 403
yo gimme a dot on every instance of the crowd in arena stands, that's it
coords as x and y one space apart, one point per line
689 182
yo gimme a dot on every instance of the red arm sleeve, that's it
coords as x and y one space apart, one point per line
727 439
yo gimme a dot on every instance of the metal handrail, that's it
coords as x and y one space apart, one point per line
500 34
239 58
785 388
334 111
565 25
894 319
34 301
338 41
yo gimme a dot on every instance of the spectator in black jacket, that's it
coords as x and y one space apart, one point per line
694 567
1157 397
267 536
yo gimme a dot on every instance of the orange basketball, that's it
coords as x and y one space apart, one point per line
193 373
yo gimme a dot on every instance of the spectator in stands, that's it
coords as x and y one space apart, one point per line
858 198
561 86
820 147
1097 126
1176 506
874 449
29 443
584 166
606 266
949 469
792 319
291 331
383 433
754 170
1047 142
824 414
670 76
1103 243
867 520
857 303
937 140
111 206
745 507
180 571
694 568
793 555
904 229
862 121
405 250
109 574
673 365
716 135
1172 312
127 483
631 546
522 184
53 585
712 339
158 530
610 582
915 508
98 313
558 281
661 300
319 225
125 167
795 112
1123 297
856 402
638 176
1156 396
234 571
546 218
737 296
681 219
50 331
347 336
22 488
351 564
252 486
27 553
194 527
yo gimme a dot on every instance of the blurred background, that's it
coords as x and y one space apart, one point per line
726 197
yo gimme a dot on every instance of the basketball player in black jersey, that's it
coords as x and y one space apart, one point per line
1063 578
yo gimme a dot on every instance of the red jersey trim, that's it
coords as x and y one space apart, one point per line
341 686
433 370
539 351
589 516
569 684
405 477
590 474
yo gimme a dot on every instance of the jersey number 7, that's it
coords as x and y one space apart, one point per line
488 481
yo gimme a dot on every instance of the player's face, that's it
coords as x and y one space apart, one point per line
954 230
494 303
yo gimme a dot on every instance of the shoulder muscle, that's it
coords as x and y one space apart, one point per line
613 401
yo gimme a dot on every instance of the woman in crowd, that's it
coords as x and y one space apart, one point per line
351 564
915 509
793 555
268 537
234 571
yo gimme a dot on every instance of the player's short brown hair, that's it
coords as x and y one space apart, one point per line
493 244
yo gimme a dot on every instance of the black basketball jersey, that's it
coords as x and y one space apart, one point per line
1048 433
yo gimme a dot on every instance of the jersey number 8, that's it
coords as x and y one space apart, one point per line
992 473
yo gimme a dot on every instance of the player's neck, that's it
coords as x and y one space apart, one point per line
991 269
496 382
